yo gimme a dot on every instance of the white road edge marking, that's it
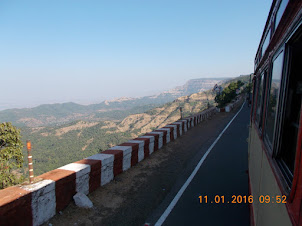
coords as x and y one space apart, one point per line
164 216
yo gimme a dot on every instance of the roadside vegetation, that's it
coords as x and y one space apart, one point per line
11 157
228 94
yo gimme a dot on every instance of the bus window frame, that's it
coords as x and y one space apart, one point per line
255 97
295 204
283 94
270 145
275 25
286 173
254 100
265 87
260 123
258 104
268 36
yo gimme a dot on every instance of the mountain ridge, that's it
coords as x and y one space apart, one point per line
117 109
58 145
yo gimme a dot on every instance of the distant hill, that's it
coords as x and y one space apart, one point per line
58 114
54 146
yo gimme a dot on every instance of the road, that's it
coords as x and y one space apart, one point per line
223 175
142 193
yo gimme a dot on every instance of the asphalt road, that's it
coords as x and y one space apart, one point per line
223 175
142 193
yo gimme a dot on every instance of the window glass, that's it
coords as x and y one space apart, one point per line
254 97
259 99
291 107
280 12
265 43
260 102
273 97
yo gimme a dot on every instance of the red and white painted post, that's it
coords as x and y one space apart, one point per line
30 162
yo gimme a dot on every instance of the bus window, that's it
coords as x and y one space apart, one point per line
291 116
260 102
273 96
265 43
280 12
254 97
259 99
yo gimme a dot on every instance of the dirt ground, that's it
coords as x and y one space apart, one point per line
133 196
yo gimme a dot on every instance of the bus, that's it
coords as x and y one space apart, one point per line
275 132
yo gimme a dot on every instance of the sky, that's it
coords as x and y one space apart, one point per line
88 51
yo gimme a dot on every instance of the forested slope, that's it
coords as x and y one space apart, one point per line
55 146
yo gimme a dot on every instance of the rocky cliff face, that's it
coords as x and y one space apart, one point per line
195 86
198 85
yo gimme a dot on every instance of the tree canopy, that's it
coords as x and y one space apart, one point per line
228 94
11 156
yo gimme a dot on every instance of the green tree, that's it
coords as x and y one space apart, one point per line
11 156
228 94
248 88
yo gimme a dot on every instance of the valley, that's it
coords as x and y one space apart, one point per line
64 133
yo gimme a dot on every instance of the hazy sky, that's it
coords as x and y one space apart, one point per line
86 51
